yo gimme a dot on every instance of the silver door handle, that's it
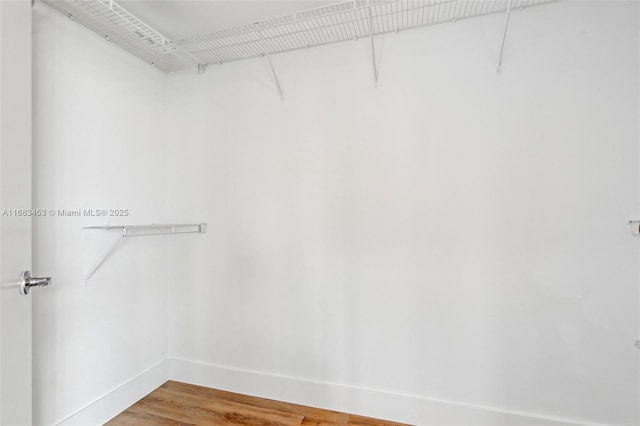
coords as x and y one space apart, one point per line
28 281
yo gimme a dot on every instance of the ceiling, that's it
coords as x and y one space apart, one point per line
178 19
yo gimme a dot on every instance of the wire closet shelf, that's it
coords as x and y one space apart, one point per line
350 20
128 231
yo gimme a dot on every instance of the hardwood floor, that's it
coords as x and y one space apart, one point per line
176 403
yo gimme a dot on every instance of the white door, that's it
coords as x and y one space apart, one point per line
15 225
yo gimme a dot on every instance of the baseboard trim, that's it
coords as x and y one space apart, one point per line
339 397
399 407
112 403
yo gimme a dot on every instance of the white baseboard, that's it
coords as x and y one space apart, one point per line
404 408
367 402
119 399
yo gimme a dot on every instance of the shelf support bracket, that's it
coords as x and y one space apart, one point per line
504 35
373 49
265 53
104 257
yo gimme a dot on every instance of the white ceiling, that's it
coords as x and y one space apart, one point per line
177 19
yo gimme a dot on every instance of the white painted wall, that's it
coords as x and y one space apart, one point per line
97 143
452 234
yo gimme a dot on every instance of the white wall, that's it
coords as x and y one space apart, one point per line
453 234
97 144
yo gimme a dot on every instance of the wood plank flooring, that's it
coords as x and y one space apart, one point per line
176 403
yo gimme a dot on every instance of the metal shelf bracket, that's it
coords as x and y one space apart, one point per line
265 53
140 231
373 48
504 35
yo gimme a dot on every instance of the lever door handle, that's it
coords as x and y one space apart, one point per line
28 281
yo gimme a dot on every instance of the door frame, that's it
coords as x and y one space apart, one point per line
15 219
